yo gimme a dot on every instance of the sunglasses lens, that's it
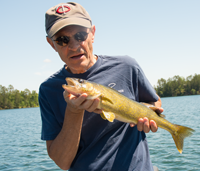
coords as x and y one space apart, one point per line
62 41
81 36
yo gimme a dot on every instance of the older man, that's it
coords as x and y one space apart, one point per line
77 138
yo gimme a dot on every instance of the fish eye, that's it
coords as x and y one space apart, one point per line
81 81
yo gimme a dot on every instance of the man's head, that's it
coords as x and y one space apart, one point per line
65 14
71 34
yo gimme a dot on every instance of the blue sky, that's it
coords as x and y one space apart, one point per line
162 35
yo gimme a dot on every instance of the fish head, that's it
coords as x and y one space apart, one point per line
78 86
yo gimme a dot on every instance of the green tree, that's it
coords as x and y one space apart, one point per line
1 97
193 91
160 87
4 94
11 98
17 97
34 99
25 98
178 86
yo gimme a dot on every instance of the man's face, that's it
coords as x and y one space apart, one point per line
78 55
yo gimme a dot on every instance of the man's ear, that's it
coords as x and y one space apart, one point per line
93 29
51 43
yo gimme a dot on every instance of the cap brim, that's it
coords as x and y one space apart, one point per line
66 22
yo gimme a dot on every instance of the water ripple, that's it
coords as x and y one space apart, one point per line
21 147
184 111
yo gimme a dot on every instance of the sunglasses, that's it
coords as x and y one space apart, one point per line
64 40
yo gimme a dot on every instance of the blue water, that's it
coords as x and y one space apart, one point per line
21 147
184 111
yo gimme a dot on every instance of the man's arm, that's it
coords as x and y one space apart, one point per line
64 147
158 103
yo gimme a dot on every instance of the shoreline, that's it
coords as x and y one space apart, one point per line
19 108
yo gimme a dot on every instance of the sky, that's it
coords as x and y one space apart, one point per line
162 35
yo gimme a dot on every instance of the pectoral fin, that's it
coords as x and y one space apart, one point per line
106 100
108 116
102 115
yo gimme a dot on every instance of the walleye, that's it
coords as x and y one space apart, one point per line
117 106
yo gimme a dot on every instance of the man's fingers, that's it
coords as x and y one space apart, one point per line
94 105
146 127
81 102
132 124
98 111
159 110
90 105
78 101
140 124
153 126
74 101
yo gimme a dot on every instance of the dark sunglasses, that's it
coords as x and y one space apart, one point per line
64 40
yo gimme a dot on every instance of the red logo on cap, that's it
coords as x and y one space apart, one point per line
63 9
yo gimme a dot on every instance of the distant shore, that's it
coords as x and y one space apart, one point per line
20 108
178 86
11 98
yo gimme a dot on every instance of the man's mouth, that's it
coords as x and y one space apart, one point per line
77 56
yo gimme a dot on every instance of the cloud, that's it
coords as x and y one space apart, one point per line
47 60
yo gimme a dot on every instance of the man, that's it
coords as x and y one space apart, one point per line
77 138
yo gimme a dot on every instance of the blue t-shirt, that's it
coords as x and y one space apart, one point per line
104 145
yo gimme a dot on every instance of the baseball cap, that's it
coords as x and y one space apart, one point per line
65 14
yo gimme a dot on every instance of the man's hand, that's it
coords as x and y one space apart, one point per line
145 125
77 104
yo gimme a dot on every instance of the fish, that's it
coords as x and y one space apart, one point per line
115 105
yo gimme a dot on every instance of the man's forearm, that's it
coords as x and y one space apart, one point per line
64 147
158 103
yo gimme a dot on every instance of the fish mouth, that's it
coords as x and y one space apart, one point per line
70 82
75 88
71 86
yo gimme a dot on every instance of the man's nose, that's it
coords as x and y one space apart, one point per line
73 44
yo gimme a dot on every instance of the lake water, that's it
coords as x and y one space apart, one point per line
21 147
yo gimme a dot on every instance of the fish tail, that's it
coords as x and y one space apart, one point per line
179 134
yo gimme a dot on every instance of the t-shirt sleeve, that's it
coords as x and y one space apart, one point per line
50 125
145 90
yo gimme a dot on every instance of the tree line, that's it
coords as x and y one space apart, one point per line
11 98
178 86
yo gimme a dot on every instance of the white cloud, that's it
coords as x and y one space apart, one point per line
47 60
